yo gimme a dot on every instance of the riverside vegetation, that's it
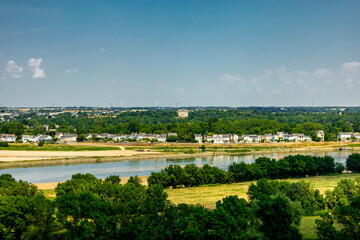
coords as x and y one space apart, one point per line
89 208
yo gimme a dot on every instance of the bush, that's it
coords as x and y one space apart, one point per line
41 143
81 138
4 144
339 168
172 138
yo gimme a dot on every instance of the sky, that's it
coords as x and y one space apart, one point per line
179 53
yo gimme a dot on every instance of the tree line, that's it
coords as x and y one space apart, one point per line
288 167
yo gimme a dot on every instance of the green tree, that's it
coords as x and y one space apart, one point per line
353 162
278 217
81 137
230 219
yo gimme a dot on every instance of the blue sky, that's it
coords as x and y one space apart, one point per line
190 53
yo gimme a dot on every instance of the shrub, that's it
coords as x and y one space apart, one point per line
4 144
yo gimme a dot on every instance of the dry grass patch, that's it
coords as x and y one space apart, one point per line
208 195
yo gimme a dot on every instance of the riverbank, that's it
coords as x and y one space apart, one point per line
14 159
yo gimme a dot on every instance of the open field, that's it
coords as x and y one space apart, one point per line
208 195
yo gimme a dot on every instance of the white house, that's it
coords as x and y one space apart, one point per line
68 138
307 138
161 138
218 138
28 138
267 137
235 138
7 138
89 136
45 138
281 135
275 138
119 137
356 136
209 138
344 136
150 136
198 138
251 138
320 134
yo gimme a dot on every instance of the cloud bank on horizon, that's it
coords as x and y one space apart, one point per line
279 79
202 53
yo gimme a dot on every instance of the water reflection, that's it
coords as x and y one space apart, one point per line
144 167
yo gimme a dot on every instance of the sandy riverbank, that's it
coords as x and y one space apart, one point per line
12 159
11 156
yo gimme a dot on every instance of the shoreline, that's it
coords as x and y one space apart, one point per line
149 155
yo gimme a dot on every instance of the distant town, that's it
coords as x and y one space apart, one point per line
194 124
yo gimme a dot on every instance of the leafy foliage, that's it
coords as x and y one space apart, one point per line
353 162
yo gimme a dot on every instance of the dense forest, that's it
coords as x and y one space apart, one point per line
209 121
89 208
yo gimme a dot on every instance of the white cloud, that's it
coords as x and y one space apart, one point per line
227 77
281 80
351 66
13 69
34 65
322 72
103 50
74 70
349 82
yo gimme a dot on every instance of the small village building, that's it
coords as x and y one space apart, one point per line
66 138
28 138
356 136
209 138
320 134
250 138
198 138
161 138
218 138
45 138
183 113
344 136
234 138
7 138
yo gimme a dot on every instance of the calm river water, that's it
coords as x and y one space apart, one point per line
143 167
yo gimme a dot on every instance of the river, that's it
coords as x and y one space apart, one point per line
128 168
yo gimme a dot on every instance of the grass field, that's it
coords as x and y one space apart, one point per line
208 195
56 147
